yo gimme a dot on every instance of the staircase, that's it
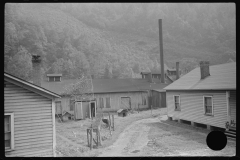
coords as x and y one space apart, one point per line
231 133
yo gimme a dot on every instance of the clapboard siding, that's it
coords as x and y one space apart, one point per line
232 104
33 124
192 107
115 100
33 151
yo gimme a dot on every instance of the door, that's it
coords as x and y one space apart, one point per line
58 107
92 109
85 110
125 103
78 110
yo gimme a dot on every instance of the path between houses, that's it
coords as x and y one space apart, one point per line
132 141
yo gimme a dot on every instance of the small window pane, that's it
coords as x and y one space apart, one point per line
51 79
176 99
7 123
7 136
57 79
7 143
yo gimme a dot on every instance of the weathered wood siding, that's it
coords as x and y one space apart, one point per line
115 100
192 107
33 127
158 99
232 105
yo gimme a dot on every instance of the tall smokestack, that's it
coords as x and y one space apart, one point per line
161 50
36 74
177 70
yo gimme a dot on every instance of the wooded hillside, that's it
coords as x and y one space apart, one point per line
116 40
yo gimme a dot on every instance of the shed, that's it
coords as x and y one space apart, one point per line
29 119
122 112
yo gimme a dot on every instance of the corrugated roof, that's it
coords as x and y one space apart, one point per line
107 85
222 76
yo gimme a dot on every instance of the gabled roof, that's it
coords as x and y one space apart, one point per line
27 85
222 77
107 85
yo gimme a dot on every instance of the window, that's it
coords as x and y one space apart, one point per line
72 104
9 131
108 105
177 102
101 103
50 79
208 105
57 79
144 101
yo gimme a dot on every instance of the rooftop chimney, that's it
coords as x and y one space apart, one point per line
161 50
177 70
204 69
36 74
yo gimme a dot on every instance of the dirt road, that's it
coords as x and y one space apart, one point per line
151 137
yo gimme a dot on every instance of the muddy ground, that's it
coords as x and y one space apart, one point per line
139 134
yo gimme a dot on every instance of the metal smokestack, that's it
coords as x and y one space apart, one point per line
161 51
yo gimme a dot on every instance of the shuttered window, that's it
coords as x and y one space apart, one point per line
208 105
108 105
177 102
8 131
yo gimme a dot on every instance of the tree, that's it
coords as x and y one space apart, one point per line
20 65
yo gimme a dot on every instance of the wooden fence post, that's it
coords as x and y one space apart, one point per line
99 135
109 123
88 137
113 121
91 137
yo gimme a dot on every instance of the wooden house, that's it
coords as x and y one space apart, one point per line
206 96
109 95
29 119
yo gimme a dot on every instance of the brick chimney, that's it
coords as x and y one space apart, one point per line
36 74
204 69
177 70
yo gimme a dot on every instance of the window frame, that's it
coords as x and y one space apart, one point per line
12 132
101 102
177 109
109 102
204 107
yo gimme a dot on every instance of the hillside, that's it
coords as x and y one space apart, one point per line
112 40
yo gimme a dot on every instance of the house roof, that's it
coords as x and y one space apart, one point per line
107 85
221 77
30 86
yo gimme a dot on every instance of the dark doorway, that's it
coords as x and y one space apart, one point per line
93 109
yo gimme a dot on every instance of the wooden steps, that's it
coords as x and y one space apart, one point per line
231 134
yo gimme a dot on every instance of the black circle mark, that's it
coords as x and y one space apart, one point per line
216 140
